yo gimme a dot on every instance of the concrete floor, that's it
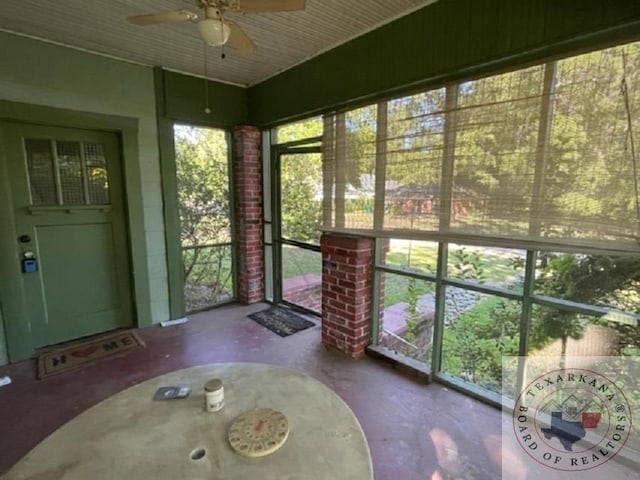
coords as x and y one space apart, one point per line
414 430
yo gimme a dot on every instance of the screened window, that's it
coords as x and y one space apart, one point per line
204 206
542 156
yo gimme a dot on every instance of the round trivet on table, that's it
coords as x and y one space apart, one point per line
258 432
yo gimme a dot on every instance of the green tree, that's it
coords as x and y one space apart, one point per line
612 281
203 185
558 280
204 211
474 342
301 208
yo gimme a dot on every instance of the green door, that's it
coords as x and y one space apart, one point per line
71 243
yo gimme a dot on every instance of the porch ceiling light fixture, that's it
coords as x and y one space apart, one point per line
214 31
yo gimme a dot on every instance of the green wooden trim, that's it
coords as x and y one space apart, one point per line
266 149
299 143
401 362
525 315
4 358
17 332
268 229
135 223
486 396
276 216
486 289
438 318
575 307
166 149
375 292
406 272
232 214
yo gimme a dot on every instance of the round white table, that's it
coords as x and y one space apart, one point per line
129 436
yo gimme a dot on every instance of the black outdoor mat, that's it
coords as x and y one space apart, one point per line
281 321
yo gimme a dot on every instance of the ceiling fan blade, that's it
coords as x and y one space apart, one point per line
262 6
239 40
163 17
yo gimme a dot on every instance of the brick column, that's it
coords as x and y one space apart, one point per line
347 264
247 187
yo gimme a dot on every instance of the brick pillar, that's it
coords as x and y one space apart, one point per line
247 187
347 264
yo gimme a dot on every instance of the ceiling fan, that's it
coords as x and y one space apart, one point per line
214 27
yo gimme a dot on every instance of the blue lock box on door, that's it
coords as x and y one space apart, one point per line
29 265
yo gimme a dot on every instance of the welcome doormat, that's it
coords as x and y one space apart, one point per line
281 321
79 354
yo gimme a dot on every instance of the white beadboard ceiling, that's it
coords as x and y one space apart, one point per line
283 39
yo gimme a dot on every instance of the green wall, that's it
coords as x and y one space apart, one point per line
46 75
184 101
448 40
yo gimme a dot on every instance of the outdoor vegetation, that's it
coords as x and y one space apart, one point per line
202 175
301 206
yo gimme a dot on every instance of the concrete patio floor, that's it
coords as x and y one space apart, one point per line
414 430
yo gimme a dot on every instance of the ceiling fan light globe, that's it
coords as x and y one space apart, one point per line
214 31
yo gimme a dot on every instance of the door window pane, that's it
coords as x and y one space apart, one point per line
70 168
97 179
41 173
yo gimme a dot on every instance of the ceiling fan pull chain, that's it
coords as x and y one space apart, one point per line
207 109
223 40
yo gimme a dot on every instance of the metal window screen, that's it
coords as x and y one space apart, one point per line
41 173
543 155
97 175
70 168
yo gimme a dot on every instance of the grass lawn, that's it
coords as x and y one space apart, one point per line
395 288
298 261
418 255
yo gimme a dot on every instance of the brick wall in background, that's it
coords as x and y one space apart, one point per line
347 264
247 175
